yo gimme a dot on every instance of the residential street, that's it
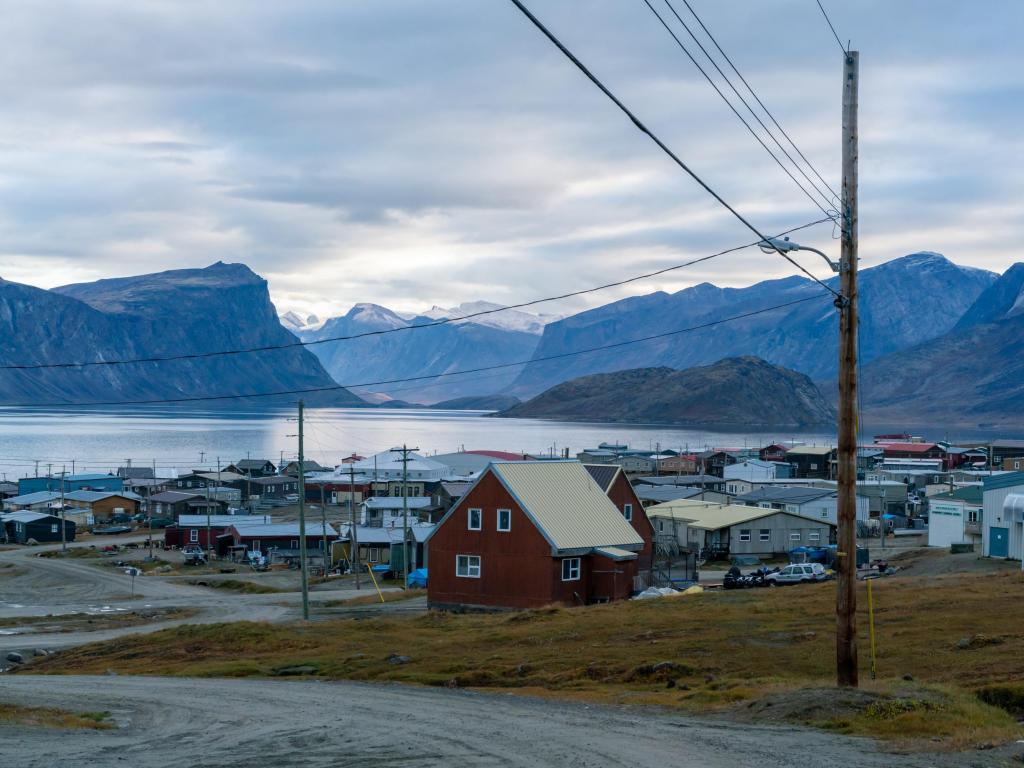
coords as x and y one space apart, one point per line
165 721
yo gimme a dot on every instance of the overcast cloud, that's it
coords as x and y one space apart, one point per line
412 153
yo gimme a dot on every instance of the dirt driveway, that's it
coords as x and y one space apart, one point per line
180 721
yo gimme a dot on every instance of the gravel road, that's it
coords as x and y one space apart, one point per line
221 723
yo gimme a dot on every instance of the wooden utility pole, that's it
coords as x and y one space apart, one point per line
846 550
406 450
302 522
354 536
63 514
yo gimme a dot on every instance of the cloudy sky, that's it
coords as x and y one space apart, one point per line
412 153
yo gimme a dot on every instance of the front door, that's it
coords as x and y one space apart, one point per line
999 542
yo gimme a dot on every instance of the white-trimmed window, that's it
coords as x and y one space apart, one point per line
467 566
794 536
373 554
475 519
627 512
504 519
53 528
571 569
193 535
744 534
814 536
765 534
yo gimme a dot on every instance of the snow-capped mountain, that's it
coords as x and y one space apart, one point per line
293 321
506 319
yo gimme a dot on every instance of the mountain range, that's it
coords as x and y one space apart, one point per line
741 392
182 312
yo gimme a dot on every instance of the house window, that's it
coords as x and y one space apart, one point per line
504 519
571 569
814 466
794 536
744 534
814 536
661 526
475 519
374 554
193 535
764 505
792 508
53 528
972 515
467 566
295 543
627 512
188 484
765 534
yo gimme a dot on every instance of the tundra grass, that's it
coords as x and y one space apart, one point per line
49 717
394 596
939 641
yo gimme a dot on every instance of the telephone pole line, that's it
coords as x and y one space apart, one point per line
302 521
405 513
63 514
354 536
846 549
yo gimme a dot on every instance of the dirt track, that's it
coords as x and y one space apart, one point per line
170 721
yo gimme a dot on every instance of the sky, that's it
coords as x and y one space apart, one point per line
419 153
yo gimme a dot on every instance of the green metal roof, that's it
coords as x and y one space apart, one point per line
1004 481
972 494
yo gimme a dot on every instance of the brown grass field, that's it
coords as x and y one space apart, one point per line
48 717
762 654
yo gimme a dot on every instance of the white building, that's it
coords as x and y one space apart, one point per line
751 469
1003 516
388 465
955 517
389 511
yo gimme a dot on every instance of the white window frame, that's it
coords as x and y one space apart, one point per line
54 528
465 568
193 535
796 536
373 554
814 536
764 534
573 565
479 519
745 534
627 512
508 524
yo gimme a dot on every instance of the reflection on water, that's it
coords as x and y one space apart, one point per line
177 439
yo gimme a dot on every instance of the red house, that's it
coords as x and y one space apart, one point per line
531 533
613 481
917 451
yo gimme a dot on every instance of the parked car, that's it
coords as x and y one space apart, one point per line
797 574
121 518
292 497
161 522
111 530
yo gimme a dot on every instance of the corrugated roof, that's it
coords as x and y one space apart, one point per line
566 505
1008 480
909 447
666 493
784 494
172 497
221 521
615 553
603 474
270 530
91 496
24 516
808 450
39 497
395 502
972 494
712 517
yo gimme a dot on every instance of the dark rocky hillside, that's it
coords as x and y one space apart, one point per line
224 306
736 392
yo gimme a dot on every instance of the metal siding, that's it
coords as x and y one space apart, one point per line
567 504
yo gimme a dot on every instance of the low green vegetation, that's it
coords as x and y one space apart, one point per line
239 585
50 717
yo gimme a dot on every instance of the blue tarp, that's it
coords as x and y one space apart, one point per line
417 579
383 568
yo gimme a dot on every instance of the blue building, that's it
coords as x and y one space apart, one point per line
82 482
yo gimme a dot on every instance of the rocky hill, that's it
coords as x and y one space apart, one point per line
189 311
972 376
903 302
736 392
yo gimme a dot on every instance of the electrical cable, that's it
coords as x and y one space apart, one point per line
425 377
843 48
748 126
754 94
661 145
386 331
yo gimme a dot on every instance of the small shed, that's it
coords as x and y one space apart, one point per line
20 527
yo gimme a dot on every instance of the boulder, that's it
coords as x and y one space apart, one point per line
394 658
15 657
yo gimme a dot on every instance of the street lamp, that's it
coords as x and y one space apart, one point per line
776 244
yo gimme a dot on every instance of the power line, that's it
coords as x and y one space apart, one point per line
824 13
747 125
386 331
425 377
754 94
661 145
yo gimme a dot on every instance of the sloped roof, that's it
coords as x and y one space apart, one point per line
566 505
253 463
809 450
23 517
92 496
221 521
395 502
783 494
603 474
712 517
909 447
271 530
173 497
666 492
972 494
39 497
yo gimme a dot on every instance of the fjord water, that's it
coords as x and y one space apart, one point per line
177 440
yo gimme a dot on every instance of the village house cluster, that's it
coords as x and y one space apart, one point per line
491 529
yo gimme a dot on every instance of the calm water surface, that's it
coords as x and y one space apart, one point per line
178 440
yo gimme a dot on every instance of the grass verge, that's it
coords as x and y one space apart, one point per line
742 653
239 585
374 598
49 717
